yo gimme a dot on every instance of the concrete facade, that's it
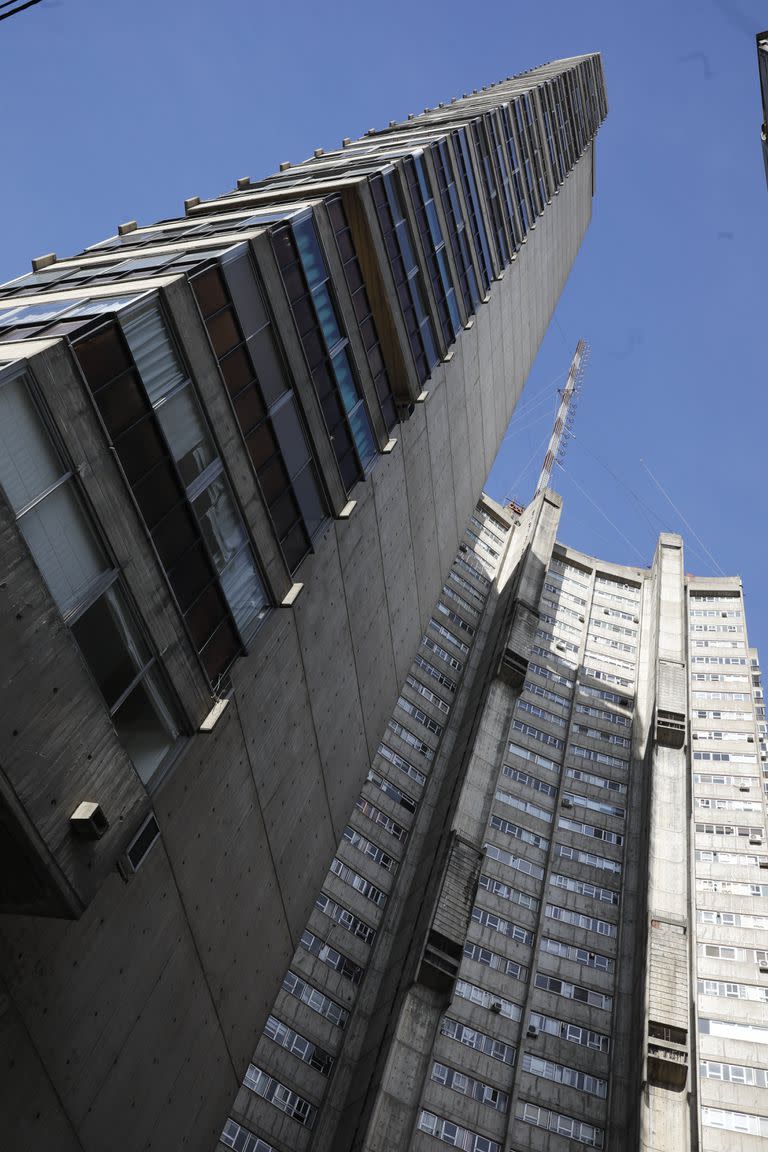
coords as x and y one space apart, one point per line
137 967
560 940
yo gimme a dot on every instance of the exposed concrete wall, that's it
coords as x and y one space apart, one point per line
141 1016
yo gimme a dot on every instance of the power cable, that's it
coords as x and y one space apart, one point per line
20 8
679 513
605 515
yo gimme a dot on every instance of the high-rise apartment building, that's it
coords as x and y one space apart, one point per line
762 69
237 453
544 924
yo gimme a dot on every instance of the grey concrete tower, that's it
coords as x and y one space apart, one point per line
237 453
543 927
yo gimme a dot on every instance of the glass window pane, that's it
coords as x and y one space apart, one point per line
186 433
310 253
363 434
122 403
28 464
344 379
309 495
205 615
221 526
209 291
220 651
102 355
112 648
140 449
192 574
154 353
146 726
245 294
243 589
269 368
326 314
261 445
63 545
157 494
290 436
249 409
237 371
224 332
175 535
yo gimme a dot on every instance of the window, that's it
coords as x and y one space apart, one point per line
358 882
294 1042
433 247
453 1134
607 895
472 200
341 915
493 960
363 313
574 991
573 1033
85 586
372 851
485 999
330 956
569 1126
499 888
524 806
315 999
578 955
326 348
404 765
481 1042
590 830
264 403
457 230
499 924
529 781
239 1138
580 920
278 1094
409 284
519 833
468 1086
170 461
563 1074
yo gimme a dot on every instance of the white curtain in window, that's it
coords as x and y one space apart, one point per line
154 353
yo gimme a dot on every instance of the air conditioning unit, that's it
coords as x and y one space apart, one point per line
566 803
750 739
743 787
763 966
532 1032
755 839
496 1006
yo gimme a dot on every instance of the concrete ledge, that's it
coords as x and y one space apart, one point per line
291 595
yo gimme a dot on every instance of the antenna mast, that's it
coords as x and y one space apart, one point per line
563 428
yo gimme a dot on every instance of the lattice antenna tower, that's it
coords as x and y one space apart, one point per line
562 432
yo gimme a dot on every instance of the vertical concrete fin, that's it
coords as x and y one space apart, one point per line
666 1120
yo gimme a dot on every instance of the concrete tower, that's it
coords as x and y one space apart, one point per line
544 924
237 453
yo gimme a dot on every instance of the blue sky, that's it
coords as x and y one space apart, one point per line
117 112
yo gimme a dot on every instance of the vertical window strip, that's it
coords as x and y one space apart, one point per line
405 269
326 347
263 424
361 304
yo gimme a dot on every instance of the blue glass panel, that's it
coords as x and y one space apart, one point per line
309 252
326 315
363 434
345 381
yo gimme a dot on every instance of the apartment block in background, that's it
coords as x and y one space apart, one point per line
544 924
237 453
